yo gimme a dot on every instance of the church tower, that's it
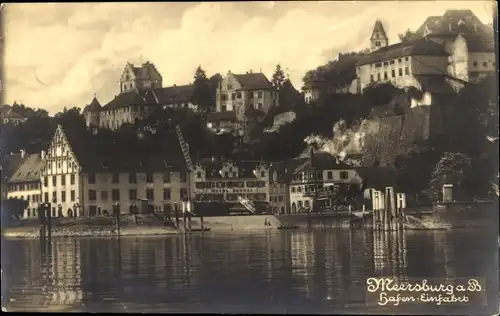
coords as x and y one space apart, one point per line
379 38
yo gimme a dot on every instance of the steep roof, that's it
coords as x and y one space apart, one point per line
125 99
454 22
10 163
29 169
245 168
174 94
254 81
121 151
94 106
378 29
144 71
416 47
320 160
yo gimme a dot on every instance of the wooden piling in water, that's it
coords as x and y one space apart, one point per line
117 218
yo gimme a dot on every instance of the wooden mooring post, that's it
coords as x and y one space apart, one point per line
117 218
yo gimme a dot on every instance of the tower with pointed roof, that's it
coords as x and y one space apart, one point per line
379 37
92 113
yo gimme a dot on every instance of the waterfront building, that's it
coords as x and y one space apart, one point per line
9 164
279 197
93 173
227 181
7 116
24 184
249 96
316 173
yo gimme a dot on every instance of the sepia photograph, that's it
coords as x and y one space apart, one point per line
256 157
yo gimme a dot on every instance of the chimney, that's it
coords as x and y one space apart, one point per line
42 154
23 153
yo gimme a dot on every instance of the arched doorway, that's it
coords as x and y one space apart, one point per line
294 207
70 213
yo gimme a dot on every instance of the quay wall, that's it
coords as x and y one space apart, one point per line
483 215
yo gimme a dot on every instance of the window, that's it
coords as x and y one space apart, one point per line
223 97
344 175
149 178
72 195
399 60
386 63
259 106
391 62
407 71
92 195
226 174
150 194
299 189
63 196
250 95
238 95
104 195
184 194
385 75
372 78
485 64
229 87
293 189
54 181
329 175
91 177
198 174
223 108
46 197
166 194
234 174
166 177
400 70
262 173
474 63
45 181
183 177
54 197
377 43
259 94
378 77
63 179
132 194
115 178
72 179
233 96
393 73
115 195
406 58
378 65
132 178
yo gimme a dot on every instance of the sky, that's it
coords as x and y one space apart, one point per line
61 55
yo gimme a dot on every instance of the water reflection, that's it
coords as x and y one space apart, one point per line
283 271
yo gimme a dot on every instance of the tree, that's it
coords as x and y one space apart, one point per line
12 210
407 36
380 93
452 168
278 77
202 93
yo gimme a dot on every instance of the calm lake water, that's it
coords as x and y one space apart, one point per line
321 271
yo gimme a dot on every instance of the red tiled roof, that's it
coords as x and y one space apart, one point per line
254 81
417 47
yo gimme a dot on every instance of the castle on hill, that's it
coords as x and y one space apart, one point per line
444 54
